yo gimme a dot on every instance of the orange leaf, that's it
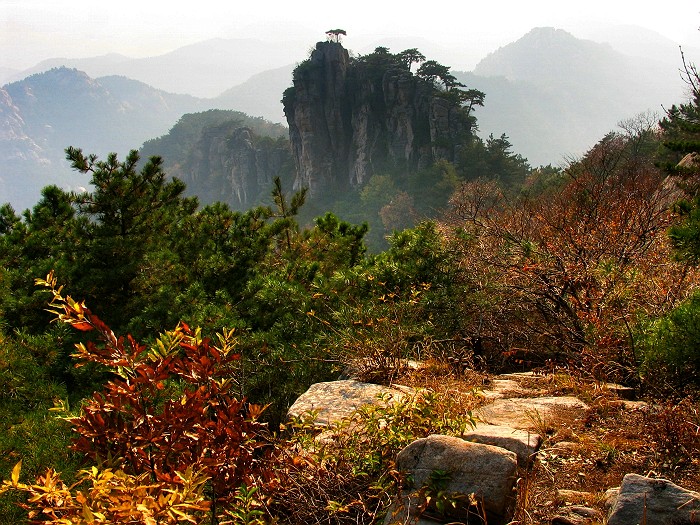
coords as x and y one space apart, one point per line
82 325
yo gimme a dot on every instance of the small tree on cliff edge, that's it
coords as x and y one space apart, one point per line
334 35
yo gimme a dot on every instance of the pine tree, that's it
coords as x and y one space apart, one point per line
129 212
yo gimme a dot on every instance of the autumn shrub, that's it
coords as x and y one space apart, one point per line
107 496
570 272
674 428
165 418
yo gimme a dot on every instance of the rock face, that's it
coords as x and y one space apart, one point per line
654 502
349 118
233 165
484 471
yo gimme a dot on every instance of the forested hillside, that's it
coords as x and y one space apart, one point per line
172 334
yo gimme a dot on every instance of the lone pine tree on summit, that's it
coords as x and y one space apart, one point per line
335 34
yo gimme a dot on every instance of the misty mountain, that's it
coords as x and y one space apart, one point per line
7 74
225 156
47 112
555 95
641 42
204 69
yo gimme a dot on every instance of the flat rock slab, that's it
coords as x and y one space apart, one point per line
525 444
499 388
621 391
335 400
487 472
654 502
530 413
522 375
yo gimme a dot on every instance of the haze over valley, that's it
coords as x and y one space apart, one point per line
552 92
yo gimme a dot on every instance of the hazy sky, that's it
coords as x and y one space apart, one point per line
32 30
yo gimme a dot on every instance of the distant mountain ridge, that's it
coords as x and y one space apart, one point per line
47 112
556 95
553 94
205 69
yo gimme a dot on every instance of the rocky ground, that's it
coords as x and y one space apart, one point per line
574 441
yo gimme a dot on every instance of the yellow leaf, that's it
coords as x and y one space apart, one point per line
87 514
15 473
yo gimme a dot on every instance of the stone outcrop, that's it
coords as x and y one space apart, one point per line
335 400
349 118
477 472
653 502
485 473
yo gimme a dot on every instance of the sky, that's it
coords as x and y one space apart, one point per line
33 30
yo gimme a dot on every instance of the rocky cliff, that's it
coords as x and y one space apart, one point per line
225 156
350 118
233 165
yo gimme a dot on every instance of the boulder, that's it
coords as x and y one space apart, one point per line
621 391
576 515
654 502
335 400
524 444
471 472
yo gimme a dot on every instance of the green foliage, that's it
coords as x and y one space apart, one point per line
670 347
681 126
335 34
128 212
28 431
493 160
685 235
437 74
434 185
411 56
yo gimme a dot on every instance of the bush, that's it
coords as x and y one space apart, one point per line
670 348
165 430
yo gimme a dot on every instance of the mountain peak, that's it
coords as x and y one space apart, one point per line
545 53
